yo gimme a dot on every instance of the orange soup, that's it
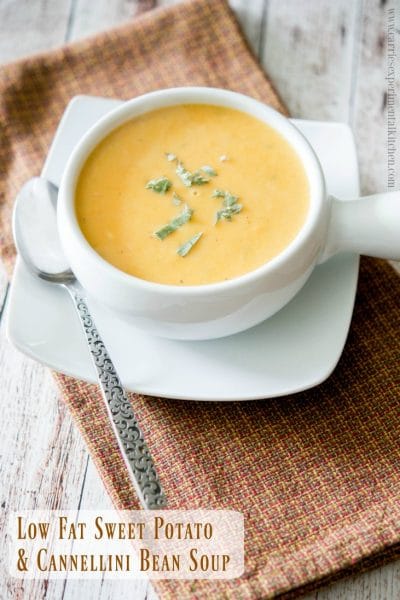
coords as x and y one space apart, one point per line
191 195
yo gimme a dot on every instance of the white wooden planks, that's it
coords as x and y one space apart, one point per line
314 84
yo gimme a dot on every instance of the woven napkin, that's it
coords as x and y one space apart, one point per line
317 475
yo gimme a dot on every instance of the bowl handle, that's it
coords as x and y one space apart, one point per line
369 225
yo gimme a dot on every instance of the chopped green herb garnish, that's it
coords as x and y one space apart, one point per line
227 213
230 205
188 178
230 200
160 185
198 178
209 170
184 175
176 222
218 194
176 201
187 246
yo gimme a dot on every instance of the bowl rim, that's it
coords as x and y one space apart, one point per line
66 215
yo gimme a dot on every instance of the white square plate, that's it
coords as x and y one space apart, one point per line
296 349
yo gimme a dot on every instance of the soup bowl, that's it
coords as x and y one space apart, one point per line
369 225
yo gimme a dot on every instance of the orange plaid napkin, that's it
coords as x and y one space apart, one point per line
317 474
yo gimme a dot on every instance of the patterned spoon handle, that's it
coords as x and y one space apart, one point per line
127 430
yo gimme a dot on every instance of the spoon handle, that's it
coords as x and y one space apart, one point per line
126 428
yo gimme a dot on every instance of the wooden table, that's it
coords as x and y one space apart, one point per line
328 61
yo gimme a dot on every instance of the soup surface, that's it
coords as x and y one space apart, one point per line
219 186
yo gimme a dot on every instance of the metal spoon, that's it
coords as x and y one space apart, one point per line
36 238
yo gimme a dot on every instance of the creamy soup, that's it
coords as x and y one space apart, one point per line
191 194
